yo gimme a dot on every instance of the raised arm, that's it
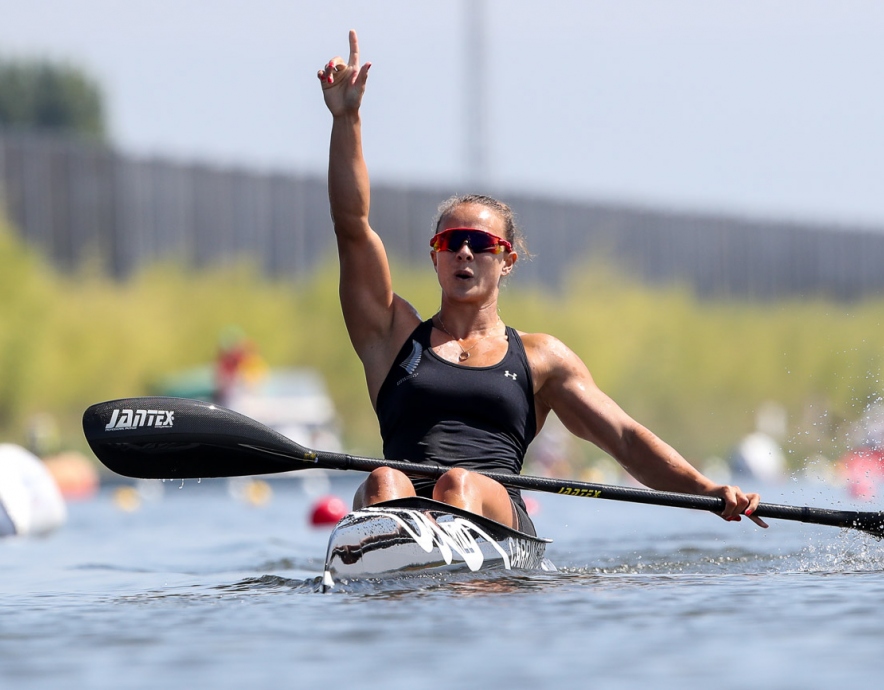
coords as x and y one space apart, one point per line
374 315
565 386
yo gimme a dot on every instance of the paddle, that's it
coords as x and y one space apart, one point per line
178 438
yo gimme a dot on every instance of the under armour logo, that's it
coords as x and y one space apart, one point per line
508 374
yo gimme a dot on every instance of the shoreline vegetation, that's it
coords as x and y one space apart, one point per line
696 371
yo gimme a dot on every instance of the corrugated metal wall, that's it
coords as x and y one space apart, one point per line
79 201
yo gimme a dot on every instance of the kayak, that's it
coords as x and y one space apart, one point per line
411 536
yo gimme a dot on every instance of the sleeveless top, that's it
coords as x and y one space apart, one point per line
478 418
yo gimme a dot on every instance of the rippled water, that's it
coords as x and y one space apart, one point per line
199 589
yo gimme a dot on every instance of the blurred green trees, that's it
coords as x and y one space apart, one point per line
695 372
38 94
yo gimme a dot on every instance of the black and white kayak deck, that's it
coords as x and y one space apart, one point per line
415 535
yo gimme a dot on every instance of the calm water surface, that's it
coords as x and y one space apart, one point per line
200 589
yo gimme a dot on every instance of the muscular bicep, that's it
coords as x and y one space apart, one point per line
568 389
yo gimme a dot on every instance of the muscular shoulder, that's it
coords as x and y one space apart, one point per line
549 358
563 384
542 344
405 319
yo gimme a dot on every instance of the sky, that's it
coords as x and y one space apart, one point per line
756 108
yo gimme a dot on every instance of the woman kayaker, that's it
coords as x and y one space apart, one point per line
462 389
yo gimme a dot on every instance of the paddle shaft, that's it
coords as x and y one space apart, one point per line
873 522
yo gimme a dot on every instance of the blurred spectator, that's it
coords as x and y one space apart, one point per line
237 364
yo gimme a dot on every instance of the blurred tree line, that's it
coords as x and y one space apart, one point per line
695 371
39 94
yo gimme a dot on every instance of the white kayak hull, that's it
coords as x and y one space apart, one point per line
415 535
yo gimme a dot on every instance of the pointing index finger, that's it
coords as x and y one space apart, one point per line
354 49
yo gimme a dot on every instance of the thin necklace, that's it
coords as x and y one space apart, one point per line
464 354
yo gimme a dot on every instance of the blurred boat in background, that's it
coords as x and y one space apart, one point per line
292 401
862 467
30 500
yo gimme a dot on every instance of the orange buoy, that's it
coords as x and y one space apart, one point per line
531 505
327 510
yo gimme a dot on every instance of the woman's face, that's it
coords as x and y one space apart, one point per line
467 275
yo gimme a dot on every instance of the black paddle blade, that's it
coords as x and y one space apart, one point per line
178 438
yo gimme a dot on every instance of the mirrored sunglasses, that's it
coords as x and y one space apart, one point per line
452 239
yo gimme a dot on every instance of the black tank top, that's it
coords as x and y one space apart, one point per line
478 418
